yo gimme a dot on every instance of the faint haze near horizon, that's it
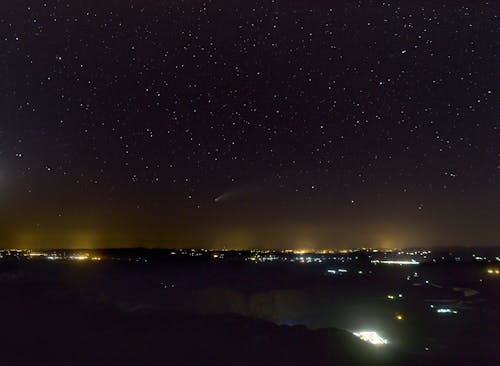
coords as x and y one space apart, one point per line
271 235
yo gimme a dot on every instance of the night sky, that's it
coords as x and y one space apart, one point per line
243 123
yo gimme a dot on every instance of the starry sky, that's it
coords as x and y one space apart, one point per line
245 123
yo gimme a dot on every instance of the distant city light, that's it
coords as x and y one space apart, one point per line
493 271
79 257
35 254
371 337
335 271
446 311
376 261
399 316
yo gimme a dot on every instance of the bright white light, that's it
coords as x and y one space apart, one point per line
446 311
371 337
396 262
335 271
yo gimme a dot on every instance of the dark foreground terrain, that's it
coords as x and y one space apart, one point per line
42 327
215 314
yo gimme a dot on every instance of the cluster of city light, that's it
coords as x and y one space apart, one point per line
36 254
478 258
445 311
293 257
303 259
55 256
410 262
335 271
189 252
394 297
312 255
413 252
371 337
79 257
494 271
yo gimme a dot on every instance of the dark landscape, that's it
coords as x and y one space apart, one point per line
193 307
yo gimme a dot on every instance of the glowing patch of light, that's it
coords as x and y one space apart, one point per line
79 257
396 262
34 254
371 337
335 271
446 311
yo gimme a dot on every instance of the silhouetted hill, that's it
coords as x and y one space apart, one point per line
52 325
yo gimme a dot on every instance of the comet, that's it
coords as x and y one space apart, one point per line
235 192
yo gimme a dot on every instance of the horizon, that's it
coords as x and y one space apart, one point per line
343 250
